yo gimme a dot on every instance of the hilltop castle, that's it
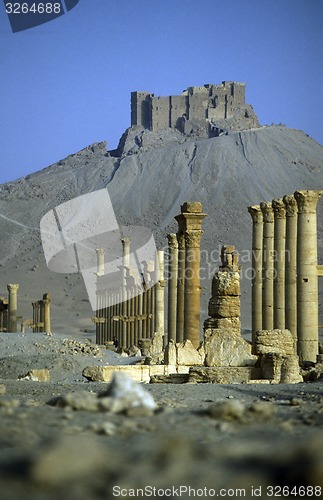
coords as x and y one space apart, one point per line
210 106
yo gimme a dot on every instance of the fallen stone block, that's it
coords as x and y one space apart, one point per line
138 373
187 355
173 378
222 375
227 348
38 375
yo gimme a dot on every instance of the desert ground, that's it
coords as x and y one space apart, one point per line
205 440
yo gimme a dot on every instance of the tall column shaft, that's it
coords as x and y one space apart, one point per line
257 242
160 296
279 262
172 286
290 264
190 223
307 279
180 288
268 267
192 287
13 307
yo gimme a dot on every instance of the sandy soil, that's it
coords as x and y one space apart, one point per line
220 441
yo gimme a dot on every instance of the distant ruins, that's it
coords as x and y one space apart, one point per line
9 317
284 303
212 106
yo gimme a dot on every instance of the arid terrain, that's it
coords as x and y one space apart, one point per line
219 440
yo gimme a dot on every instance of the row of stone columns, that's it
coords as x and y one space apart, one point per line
184 291
285 271
133 311
41 314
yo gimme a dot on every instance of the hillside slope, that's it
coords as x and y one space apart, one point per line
147 186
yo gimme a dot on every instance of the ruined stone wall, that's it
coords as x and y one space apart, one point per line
207 102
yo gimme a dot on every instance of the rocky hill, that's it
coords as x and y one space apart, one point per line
148 178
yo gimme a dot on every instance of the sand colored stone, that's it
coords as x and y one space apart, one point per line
257 243
227 348
190 223
307 274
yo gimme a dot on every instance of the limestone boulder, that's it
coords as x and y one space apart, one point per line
275 341
40 375
187 355
227 348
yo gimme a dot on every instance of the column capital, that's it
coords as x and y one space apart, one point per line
100 251
181 241
191 216
125 241
256 213
267 211
12 288
290 204
279 208
193 238
307 200
172 240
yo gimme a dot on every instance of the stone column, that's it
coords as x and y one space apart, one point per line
41 315
160 295
257 241
172 286
180 288
290 265
307 279
13 306
46 300
100 261
190 223
35 316
268 267
279 262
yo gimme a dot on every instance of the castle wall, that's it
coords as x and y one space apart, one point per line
178 108
160 113
207 102
140 109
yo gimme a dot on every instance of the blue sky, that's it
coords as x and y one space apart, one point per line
67 83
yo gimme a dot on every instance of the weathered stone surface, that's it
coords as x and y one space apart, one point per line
233 324
173 378
2 389
40 375
225 307
226 348
187 355
275 341
222 375
139 373
280 369
226 283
